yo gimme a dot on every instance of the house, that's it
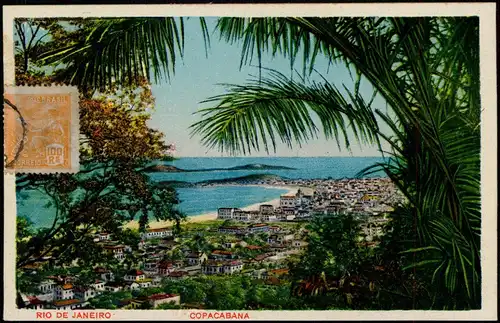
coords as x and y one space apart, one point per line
116 250
221 254
226 213
47 286
36 304
241 243
131 285
156 282
178 275
211 266
269 218
229 245
258 227
102 236
280 238
63 292
138 302
303 214
134 275
299 244
287 200
196 258
232 229
157 233
266 209
165 268
104 274
192 270
243 216
277 247
274 228
251 247
155 300
68 304
168 243
158 299
84 293
145 283
98 285
113 287
151 268
288 211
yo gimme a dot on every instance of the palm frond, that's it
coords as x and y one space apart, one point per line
123 50
263 111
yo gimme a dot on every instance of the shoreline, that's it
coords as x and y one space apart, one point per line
210 216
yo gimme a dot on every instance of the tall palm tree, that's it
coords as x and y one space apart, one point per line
426 69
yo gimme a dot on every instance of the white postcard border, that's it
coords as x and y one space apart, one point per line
486 12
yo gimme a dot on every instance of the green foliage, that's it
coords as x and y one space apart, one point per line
426 70
126 48
116 144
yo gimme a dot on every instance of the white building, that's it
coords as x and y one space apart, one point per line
158 299
212 267
113 287
134 275
196 258
102 236
226 213
157 233
62 292
85 293
68 304
288 201
117 251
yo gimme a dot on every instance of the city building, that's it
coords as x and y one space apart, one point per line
266 209
65 291
116 250
69 304
211 267
226 213
157 233
158 299
134 275
196 258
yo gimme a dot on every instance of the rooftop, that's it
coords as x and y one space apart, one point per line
66 302
160 229
162 296
178 274
222 252
135 272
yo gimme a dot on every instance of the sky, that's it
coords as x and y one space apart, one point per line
199 76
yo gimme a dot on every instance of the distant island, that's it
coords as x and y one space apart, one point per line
247 179
173 169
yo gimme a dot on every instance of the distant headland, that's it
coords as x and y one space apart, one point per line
172 169
243 180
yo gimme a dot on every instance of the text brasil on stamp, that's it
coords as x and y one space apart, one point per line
41 129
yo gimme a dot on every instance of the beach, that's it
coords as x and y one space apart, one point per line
213 215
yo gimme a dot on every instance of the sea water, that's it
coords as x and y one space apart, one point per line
200 200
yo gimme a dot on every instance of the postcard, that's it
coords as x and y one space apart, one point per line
250 162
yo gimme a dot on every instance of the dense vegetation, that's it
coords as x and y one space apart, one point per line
427 71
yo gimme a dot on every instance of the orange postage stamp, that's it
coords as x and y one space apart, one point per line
41 129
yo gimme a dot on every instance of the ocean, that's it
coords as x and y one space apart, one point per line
195 201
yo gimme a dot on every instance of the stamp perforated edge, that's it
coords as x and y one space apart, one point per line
74 125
